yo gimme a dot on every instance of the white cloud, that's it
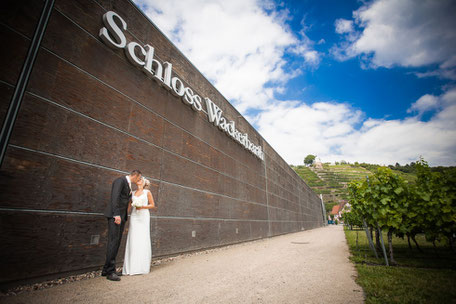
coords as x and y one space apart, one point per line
305 48
430 102
296 129
440 73
330 131
423 104
409 33
344 26
310 56
235 44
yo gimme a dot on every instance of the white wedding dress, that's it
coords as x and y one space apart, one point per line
138 252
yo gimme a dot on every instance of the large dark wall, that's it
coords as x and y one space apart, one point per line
89 116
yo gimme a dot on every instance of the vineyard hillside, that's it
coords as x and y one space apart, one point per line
332 180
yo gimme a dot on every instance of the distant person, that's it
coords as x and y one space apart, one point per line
138 252
116 213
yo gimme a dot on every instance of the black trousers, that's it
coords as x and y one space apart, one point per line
114 237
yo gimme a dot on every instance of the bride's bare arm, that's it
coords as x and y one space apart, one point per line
150 199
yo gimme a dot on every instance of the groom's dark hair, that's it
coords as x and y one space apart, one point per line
135 172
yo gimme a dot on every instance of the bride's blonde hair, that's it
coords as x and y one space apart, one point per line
146 183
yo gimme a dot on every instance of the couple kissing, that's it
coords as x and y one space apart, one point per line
138 251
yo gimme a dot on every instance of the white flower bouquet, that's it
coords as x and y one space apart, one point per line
136 204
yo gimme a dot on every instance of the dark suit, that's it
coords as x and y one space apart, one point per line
118 206
120 196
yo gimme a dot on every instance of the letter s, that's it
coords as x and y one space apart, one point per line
197 103
119 40
188 97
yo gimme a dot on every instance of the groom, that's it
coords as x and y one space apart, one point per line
116 213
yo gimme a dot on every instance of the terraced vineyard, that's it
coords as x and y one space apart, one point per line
332 180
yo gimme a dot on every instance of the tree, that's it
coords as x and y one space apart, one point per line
388 202
382 202
309 159
435 193
351 219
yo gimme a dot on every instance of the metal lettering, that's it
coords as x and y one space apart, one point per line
178 86
119 40
143 56
131 55
157 73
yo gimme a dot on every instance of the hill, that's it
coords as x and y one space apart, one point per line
332 180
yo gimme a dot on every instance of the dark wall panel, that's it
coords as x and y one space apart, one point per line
18 21
49 243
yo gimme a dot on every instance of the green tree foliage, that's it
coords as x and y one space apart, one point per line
309 159
413 167
435 193
382 201
388 202
352 219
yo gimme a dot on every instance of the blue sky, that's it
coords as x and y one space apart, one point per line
367 81
378 92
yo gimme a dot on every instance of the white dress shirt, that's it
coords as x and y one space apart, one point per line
129 182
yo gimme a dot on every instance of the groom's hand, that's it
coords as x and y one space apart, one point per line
117 220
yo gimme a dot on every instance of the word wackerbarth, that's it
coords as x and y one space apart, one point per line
112 35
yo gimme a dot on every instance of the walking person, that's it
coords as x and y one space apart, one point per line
116 214
138 251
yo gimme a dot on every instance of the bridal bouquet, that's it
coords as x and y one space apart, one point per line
137 204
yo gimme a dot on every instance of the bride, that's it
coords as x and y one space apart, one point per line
138 252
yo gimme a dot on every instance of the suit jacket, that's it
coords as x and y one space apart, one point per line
120 196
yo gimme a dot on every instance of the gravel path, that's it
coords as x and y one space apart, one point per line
304 267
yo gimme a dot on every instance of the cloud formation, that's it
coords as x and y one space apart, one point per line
423 104
408 33
344 26
330 131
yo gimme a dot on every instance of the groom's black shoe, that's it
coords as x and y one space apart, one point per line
119 274
113 277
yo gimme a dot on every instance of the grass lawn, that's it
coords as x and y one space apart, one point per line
419 277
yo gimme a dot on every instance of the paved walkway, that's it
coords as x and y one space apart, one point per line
304 267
